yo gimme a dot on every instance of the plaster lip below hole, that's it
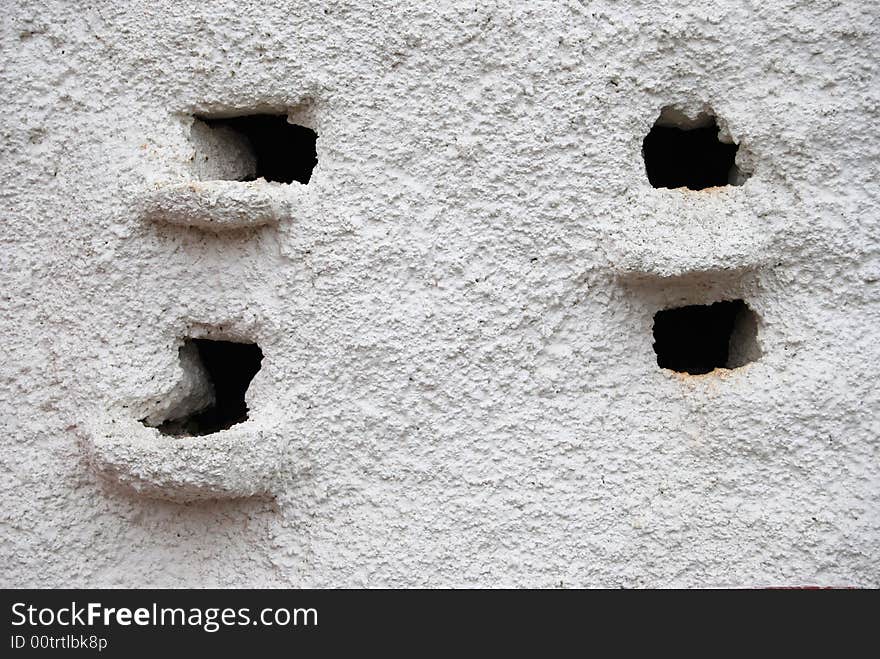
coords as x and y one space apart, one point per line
239 462
673 238
218 205
720 374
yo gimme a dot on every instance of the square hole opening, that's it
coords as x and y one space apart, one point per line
697 339
217 375
254 146
684 153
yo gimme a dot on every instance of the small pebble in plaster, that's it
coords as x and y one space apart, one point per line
249 147
692 153
697 339
221 372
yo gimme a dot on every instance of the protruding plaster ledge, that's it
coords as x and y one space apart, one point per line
684 232
243 461
219 205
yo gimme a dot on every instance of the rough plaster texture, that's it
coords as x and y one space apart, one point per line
458 384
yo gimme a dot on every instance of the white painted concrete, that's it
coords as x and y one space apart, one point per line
458 385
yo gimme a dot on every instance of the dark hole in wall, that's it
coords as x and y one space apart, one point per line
229 367
691 157
282 151
698 339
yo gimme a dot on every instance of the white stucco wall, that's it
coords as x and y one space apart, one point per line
458 385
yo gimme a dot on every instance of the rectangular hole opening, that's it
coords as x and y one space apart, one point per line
698 339
211 394
254 146
684 153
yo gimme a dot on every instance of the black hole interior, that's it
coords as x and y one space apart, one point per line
700 338
692 158
230 367
284 152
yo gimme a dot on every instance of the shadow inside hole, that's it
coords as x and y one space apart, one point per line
697 339
218 374
691 157
255 146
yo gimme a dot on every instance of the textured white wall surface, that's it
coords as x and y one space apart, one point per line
458 385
